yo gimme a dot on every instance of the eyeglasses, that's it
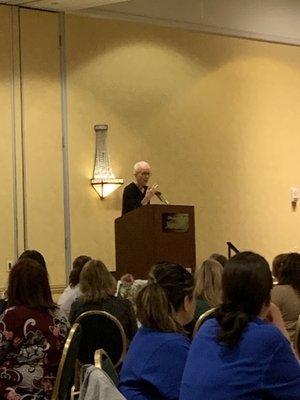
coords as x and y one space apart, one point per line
145 173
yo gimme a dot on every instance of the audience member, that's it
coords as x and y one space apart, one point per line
238 355
156 357
278 265
98 286
32 334
34 255
219 257
128 287
208 286
72 291
286 295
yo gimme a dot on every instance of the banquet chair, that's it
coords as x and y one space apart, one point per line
203 317
65 374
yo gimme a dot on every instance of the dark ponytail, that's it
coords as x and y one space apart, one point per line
168 285
232 325
247 283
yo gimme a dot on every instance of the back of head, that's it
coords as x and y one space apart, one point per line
247 284
34 255
28 285
78 264
208 282
278 264
168 285
219 257
96 282
290 273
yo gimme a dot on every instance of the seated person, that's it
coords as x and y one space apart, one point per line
153 366
72 291
33 255
286 295
208 286
128 287
97 287
277 266
32 334
220 258
238 355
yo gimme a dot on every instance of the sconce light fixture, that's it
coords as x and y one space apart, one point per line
104 181
294 197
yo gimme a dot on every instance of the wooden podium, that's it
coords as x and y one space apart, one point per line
154 233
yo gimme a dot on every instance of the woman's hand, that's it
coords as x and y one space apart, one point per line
274 316
149 194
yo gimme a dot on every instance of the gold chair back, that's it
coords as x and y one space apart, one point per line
103 362
101 330
203 317
65 374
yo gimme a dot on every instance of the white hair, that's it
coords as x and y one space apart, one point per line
140 165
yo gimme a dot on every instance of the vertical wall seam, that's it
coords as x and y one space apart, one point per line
14 151
65 147
24 174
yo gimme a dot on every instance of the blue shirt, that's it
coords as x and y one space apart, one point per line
261 366
153 367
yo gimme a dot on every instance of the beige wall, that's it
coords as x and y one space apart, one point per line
7 241
40 62
216 117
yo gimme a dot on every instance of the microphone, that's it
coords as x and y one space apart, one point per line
161 198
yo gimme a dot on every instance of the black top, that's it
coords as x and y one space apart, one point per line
118 307
100 332
132 197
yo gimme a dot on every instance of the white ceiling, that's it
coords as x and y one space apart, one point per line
274 20
60 5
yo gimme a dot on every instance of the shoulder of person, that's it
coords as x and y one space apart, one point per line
130 186
281 288
58 314
119 301
16 310
171 338
266 333
171 344
77 304
280 293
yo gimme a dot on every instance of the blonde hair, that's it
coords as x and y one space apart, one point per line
96 282
208 282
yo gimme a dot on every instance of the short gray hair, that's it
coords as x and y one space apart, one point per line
140 165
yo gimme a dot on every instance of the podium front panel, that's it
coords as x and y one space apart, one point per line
154 233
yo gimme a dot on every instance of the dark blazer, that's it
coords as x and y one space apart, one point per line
132 197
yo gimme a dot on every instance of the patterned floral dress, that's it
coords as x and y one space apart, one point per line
31 344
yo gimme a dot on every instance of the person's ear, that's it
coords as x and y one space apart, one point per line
187 303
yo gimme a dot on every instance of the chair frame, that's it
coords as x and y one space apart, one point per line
116 321
73 331
98 357
203 317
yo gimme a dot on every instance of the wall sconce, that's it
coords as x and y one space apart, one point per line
104 181
294 197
